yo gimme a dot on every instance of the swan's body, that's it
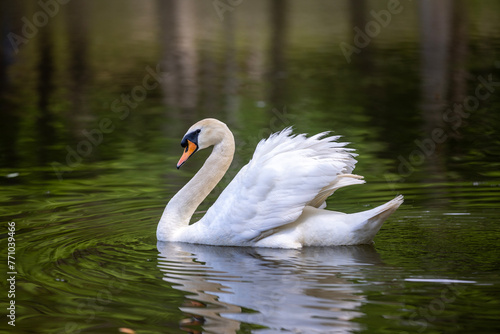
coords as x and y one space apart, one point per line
276 200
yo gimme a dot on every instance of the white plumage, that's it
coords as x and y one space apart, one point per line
276 200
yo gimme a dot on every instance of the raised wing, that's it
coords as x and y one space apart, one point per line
286 173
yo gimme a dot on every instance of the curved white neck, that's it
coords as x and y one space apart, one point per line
181 207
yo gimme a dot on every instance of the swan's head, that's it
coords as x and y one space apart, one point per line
203 134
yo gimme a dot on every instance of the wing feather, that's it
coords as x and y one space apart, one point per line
285 173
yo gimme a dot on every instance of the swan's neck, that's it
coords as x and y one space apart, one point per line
181 207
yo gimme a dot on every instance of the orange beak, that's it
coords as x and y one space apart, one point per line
188 152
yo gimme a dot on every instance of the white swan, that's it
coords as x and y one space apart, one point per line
276 200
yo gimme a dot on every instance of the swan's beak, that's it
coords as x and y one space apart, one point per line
188 152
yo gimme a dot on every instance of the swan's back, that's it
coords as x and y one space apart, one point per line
287 172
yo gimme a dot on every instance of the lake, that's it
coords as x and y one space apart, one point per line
95 97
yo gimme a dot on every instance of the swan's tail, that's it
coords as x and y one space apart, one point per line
370 221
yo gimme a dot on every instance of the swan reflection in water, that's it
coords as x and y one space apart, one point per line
303 291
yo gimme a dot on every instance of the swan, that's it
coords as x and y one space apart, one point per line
277 200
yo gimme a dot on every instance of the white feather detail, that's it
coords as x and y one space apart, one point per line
285 174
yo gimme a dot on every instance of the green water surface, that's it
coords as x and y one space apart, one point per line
93 106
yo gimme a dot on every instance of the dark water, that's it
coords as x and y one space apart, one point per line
96 95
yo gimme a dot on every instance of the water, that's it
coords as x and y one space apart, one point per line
94 104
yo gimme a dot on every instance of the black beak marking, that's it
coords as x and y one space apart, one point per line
192 137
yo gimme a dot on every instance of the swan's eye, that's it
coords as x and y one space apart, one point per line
198 131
